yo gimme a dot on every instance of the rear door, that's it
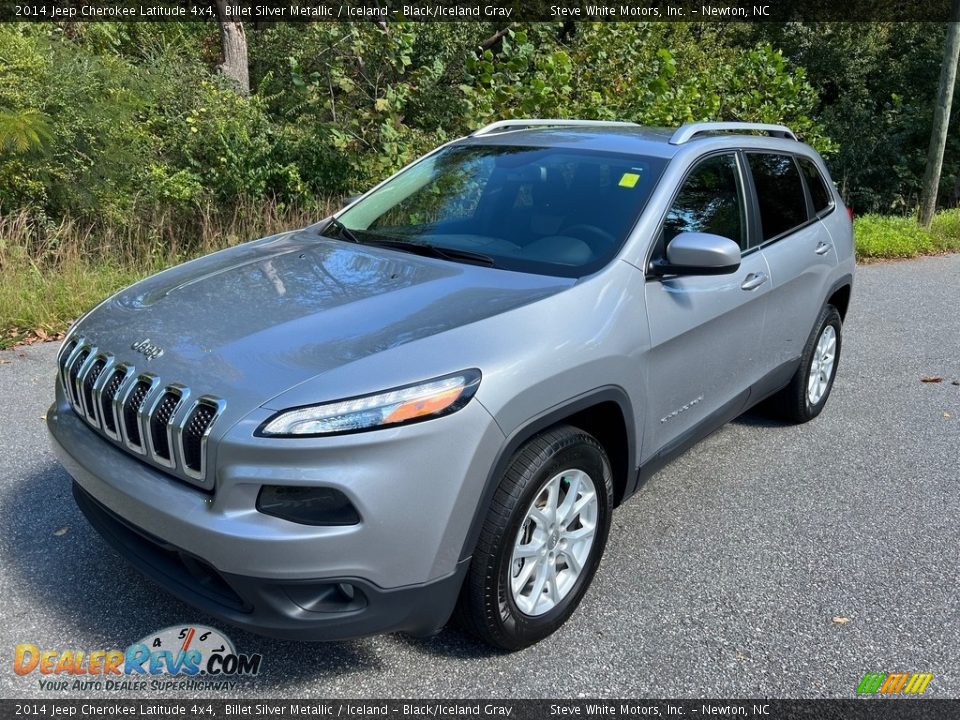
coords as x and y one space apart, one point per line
705 330
797 247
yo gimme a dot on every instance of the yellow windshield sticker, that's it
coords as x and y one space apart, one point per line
629 180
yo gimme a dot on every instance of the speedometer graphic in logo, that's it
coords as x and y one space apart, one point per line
182 639
189 650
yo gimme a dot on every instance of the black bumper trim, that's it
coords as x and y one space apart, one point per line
277 608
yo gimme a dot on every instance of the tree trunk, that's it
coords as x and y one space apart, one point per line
941 119
233 50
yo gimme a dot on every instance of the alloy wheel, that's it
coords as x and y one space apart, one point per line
821 365
554 542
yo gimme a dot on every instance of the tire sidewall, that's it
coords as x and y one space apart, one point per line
589 458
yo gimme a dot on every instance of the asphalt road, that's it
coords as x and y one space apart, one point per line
722 577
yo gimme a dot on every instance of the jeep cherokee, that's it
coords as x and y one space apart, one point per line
432 401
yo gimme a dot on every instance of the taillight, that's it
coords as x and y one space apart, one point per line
850 213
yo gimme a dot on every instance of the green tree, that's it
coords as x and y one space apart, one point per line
653 74
873 83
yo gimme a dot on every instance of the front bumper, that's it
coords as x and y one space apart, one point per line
323 609
415 490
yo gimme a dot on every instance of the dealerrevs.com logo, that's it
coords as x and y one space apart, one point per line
190 657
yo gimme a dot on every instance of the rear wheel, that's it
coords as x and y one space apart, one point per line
542 541
806 395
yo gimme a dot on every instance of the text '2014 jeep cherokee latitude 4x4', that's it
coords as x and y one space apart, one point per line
434 400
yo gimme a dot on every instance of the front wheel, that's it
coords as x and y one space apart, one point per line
805 396
542 541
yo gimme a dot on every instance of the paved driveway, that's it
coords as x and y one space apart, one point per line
722 577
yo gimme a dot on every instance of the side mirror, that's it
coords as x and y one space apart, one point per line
696 253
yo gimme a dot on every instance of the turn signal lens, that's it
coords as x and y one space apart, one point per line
428 406
412 403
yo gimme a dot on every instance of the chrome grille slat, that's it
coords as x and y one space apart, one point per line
131 417
96 389
192 433
126 387
63 361
77 367
146 405
88 381
110 384
160 422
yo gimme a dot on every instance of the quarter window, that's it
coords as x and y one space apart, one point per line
779 193
819 193
710 201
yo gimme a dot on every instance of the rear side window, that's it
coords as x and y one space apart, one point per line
819 193
710 202
783 205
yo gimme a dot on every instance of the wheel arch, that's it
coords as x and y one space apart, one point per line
606 413
839 295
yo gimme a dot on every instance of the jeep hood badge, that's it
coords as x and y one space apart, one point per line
147 348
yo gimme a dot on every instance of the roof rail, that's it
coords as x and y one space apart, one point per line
689 131
507 125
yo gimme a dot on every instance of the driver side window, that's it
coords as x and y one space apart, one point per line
710 201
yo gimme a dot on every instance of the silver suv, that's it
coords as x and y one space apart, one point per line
432 401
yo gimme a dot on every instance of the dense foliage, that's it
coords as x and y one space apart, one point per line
106 122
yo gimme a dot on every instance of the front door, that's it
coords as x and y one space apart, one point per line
706 331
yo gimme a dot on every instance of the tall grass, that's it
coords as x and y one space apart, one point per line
51 272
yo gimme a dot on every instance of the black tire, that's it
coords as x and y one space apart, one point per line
486 607
792 403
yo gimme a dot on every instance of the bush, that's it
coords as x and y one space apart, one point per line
90 156
880 236
945 230
101 137
885 236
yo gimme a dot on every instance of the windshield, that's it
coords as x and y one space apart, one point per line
547 210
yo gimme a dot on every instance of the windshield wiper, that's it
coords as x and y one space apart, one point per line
446 253
342 230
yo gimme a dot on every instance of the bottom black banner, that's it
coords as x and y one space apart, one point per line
513 709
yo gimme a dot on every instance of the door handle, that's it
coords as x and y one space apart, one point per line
822 248
753 281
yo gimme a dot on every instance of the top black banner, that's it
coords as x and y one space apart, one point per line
502 11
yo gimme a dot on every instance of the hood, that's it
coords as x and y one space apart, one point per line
247 323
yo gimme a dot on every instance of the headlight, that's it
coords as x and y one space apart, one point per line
412 403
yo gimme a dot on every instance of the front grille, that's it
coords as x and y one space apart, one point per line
157 421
